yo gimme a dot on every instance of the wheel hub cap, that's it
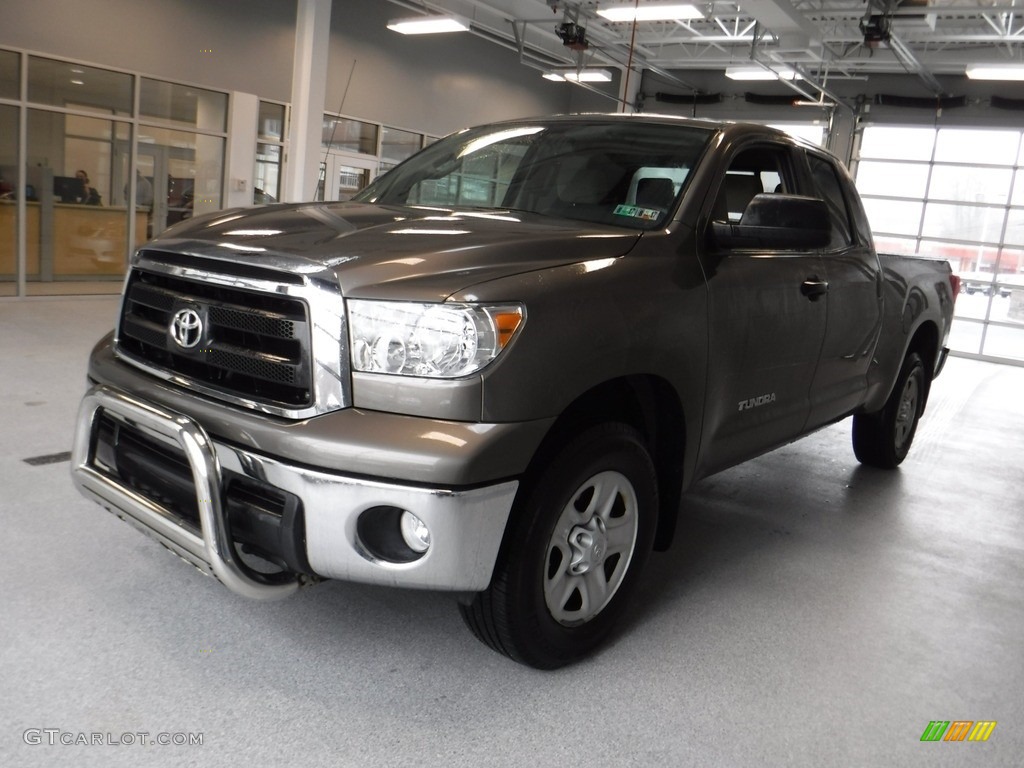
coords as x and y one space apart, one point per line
590 548
906 412
589 545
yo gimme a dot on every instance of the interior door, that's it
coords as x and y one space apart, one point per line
154 166
348 174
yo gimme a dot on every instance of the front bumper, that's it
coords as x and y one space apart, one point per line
466 525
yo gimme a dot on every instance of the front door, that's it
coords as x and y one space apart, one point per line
765 329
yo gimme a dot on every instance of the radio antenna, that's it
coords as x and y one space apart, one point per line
341 107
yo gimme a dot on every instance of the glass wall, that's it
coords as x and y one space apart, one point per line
8 199
181 139
346 135
78 140
351 159
183 106
113 158
179 175
396 146
76 219
955 194
270 134
85 206
76 86
10 78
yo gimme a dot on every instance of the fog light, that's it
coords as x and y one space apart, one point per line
415 533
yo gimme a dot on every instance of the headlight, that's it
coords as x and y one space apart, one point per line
440 341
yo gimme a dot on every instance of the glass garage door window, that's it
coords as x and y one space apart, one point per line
955 194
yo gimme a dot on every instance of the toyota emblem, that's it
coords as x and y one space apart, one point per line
186 328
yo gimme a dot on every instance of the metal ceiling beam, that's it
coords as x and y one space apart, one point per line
792 28
814 34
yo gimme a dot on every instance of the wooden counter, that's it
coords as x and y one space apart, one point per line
68 241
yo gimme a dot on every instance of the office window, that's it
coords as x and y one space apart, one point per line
64 84
180 174
396 146
341 133
267 183
8 200
184 106
271 121
76 219
10 79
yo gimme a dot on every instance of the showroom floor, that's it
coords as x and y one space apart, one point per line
810 613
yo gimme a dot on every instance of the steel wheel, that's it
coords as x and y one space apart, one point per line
906 414
883 439
578 536
591 548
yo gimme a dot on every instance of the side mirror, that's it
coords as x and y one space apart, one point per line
778 223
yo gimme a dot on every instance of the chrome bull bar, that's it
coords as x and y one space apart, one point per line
212 550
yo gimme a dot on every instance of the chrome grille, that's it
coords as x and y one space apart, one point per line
253 345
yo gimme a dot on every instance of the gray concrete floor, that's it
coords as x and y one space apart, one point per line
810 613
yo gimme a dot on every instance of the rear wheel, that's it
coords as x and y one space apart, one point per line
883 439
580 532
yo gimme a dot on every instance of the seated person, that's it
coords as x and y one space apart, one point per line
86 195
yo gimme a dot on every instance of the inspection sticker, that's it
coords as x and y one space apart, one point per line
647 214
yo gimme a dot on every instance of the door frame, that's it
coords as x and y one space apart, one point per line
335 161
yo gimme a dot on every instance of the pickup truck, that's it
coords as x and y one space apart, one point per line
495 371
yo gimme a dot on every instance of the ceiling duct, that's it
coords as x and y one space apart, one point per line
688 99
943 102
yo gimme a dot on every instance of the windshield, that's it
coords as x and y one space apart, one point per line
624 173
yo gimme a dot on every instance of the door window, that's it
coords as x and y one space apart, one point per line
752 172
828 188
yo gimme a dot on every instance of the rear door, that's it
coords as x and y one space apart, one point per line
854 299
765 332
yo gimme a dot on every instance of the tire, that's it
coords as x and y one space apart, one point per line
883 439
580 531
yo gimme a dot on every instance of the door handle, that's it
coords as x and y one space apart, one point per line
813 288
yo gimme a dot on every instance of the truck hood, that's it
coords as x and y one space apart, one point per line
394 252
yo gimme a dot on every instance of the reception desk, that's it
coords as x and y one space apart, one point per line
67 242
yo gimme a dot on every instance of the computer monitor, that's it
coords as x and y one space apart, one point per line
67 189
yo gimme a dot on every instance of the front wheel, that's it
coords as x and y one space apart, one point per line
883 439
580 532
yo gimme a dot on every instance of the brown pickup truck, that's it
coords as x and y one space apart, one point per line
497 369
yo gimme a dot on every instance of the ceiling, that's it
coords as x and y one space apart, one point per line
825 40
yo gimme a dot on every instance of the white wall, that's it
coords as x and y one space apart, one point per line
243 45
434 83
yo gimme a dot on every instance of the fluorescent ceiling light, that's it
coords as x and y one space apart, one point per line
428 25
650 12
583 76
760 73
996 71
